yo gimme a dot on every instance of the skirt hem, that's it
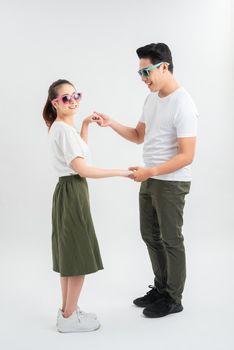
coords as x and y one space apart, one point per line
78 273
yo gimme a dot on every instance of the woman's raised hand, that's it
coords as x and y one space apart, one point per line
93 118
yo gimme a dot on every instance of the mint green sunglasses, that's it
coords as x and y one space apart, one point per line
145 72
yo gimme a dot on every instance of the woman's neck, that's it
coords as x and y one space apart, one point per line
66 119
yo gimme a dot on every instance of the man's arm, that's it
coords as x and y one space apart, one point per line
135 135
185 156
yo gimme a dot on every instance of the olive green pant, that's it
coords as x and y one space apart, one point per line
161 220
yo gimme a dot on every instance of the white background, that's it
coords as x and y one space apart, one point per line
93 43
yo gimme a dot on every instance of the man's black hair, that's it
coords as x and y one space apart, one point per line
156 53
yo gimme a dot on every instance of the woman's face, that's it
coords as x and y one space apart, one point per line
66 106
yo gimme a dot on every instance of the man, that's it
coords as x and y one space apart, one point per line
168 128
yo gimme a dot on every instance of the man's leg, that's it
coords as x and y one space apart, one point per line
169 200
151 235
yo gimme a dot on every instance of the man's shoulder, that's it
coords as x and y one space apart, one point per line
185 100
184 95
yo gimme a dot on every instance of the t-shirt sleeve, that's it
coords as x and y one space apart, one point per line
69 145
186 119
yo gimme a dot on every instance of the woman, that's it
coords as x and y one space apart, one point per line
75 249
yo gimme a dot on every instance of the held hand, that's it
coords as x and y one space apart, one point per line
140 174
127 173
105 119
93 119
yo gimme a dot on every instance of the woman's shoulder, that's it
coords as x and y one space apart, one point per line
60 127
59 124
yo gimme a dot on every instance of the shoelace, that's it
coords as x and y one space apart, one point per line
82 313
79 315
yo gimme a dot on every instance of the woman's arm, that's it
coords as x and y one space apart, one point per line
85 126
84 170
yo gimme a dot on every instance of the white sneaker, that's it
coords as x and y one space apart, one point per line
77 322
88 314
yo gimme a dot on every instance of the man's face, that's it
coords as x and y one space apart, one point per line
157 76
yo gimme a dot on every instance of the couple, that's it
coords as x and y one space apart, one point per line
168 127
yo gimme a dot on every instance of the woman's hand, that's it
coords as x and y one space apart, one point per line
140 174
93 118
127 173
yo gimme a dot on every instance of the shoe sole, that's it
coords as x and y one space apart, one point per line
81 331
158 316
142 306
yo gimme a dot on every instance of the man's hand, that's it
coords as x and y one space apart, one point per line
140 174
105 120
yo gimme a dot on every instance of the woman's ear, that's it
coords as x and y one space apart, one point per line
53 105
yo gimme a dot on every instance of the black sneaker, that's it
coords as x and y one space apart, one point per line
150 297
162 307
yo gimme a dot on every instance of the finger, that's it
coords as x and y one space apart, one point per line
97 113
100 121
133 168
97 120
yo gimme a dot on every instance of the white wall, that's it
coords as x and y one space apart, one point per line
93 43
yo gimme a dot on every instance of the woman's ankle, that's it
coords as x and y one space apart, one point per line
67 313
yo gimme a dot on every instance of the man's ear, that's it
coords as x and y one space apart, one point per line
165 68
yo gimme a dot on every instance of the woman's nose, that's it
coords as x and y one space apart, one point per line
72 100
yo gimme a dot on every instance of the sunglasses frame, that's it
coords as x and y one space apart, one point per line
60 98
145 72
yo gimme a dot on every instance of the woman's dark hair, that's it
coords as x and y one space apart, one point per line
156 53
49 112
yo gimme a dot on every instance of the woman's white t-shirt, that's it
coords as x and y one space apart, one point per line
66 145
166 119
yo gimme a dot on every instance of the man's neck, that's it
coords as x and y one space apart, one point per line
168 88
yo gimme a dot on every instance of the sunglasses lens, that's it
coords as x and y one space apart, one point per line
66 99
143 73
77 96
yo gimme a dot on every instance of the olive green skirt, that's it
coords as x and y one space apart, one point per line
75 249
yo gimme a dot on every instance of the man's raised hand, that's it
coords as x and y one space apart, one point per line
105 120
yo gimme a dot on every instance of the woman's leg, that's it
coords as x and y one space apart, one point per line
74 286
64 284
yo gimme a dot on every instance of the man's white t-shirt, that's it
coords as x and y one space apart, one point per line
166 119
66 145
